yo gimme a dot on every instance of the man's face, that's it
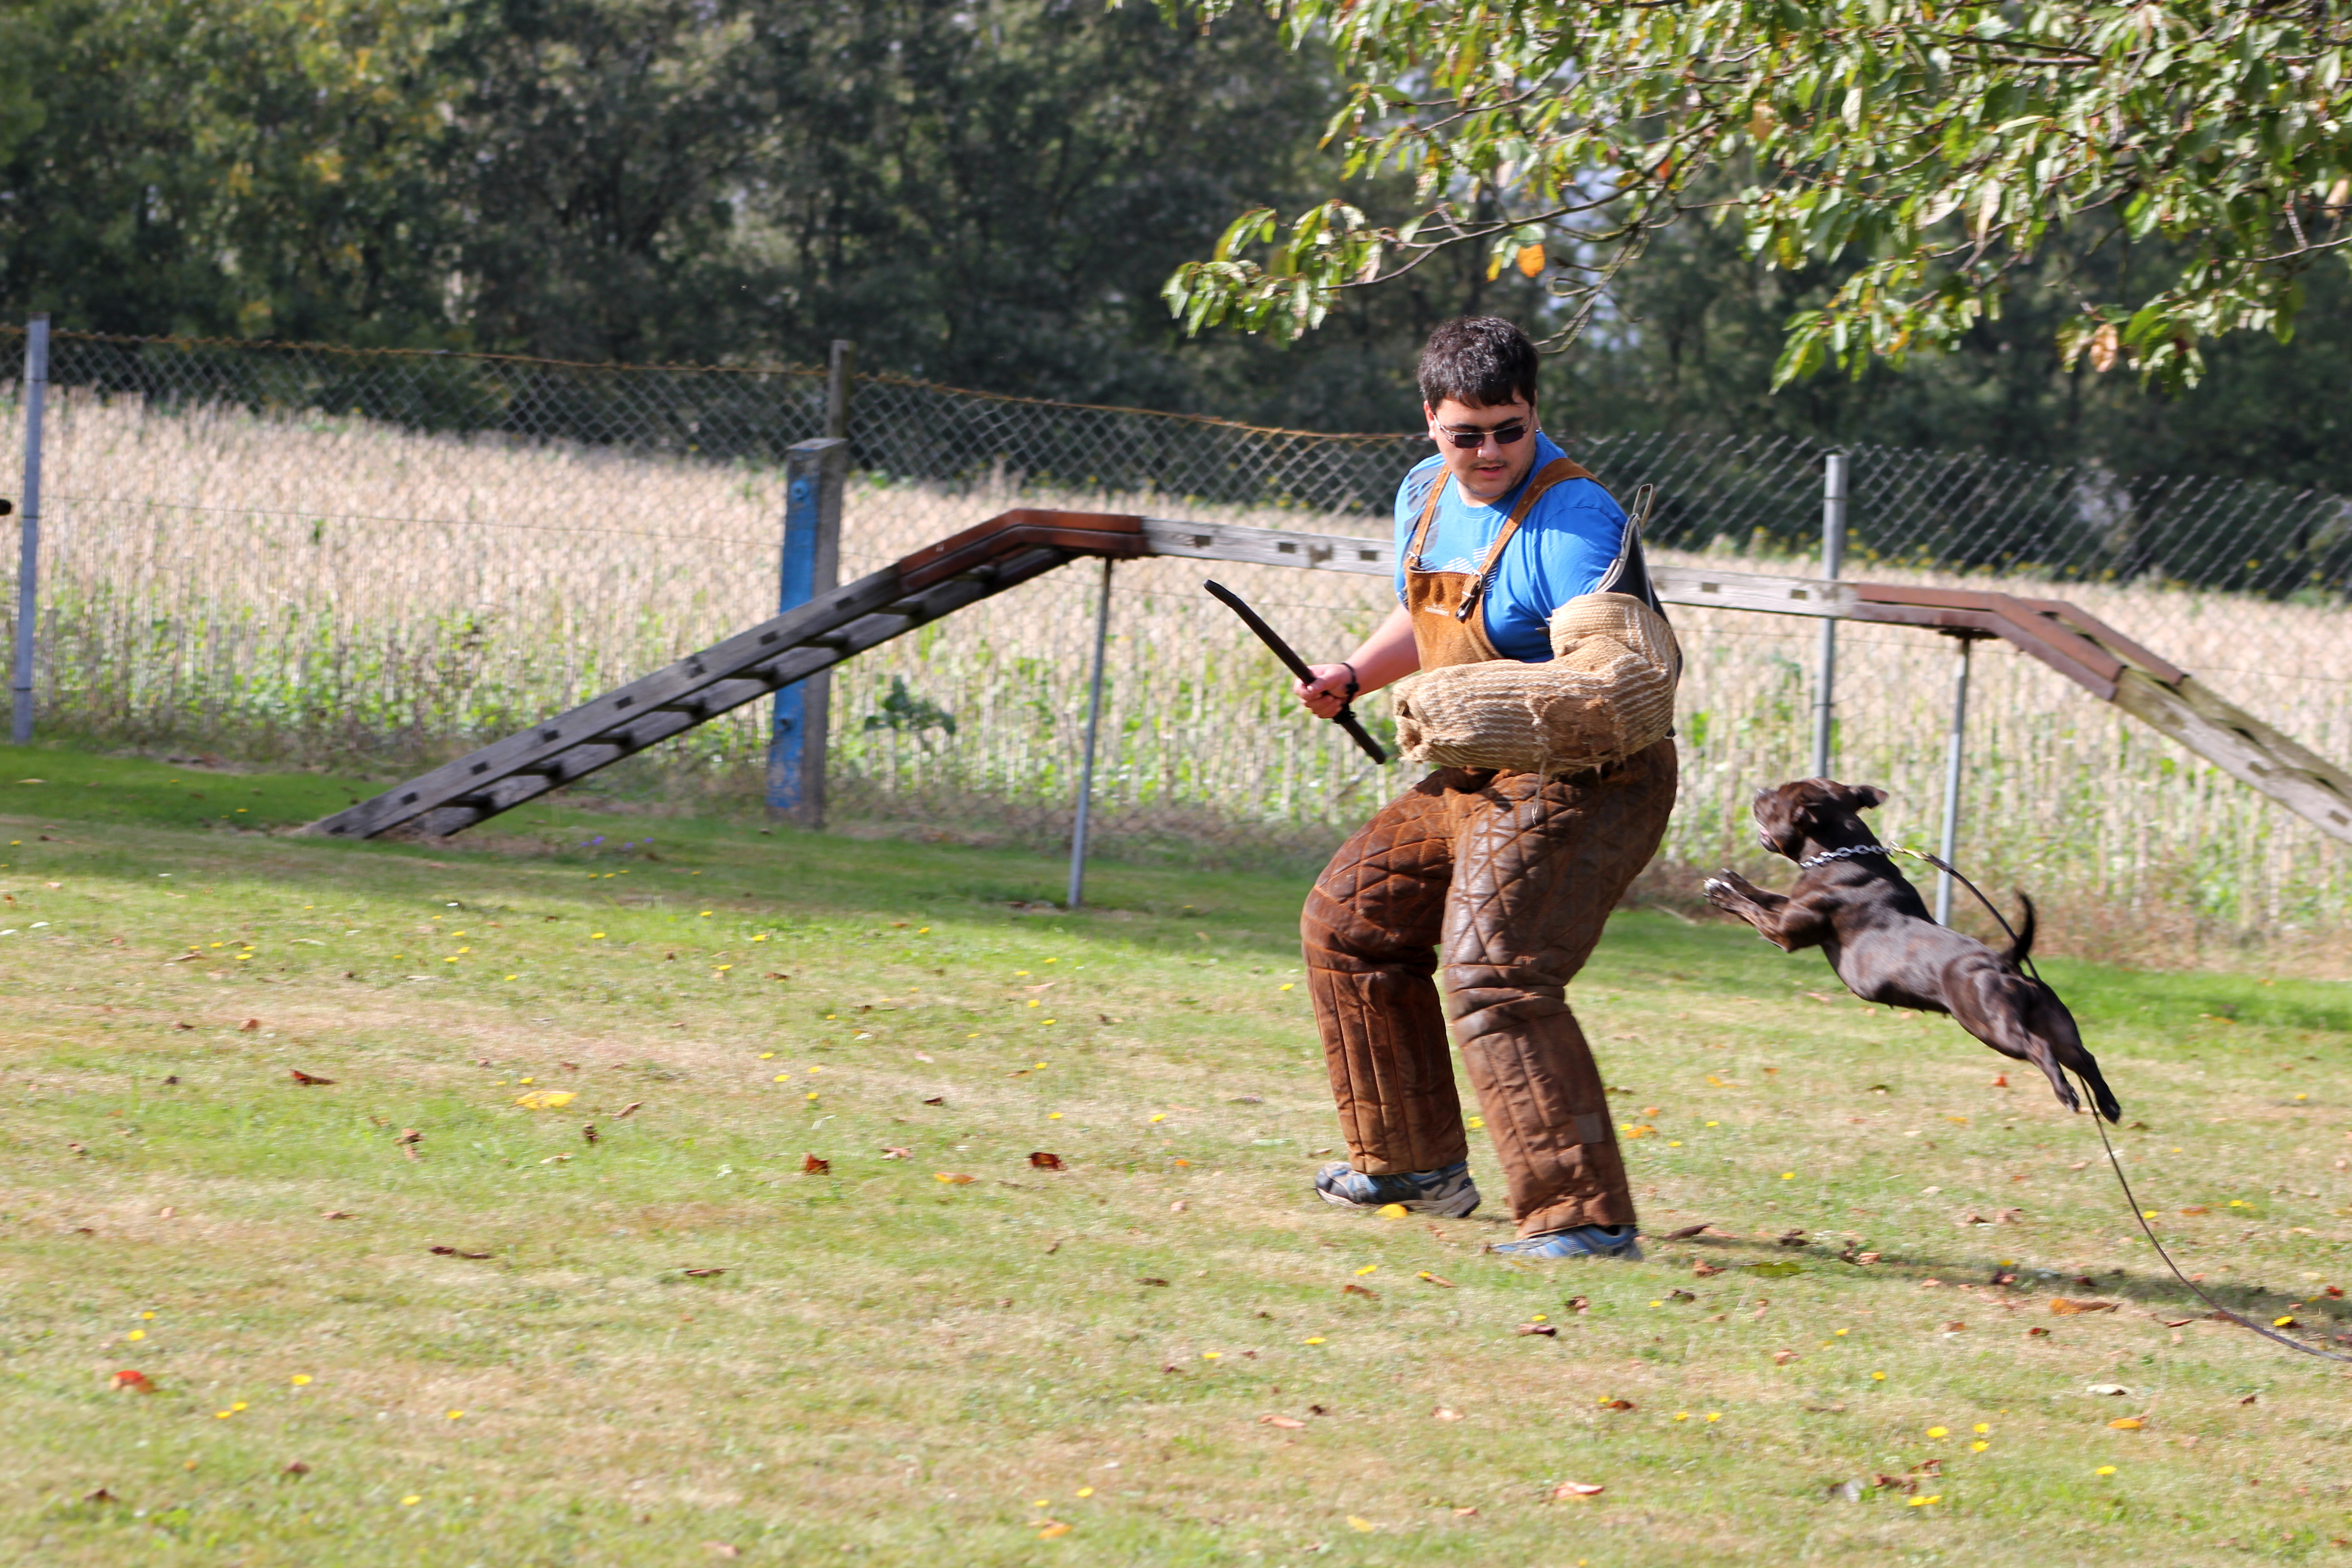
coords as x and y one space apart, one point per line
1490 469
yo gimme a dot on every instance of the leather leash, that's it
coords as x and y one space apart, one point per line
2115 1163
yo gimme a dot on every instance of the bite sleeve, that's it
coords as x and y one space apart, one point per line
1608 692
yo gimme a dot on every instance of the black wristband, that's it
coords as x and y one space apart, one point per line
1354 686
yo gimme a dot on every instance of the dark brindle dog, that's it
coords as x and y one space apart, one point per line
1869 919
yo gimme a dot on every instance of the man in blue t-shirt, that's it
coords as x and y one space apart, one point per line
1534 665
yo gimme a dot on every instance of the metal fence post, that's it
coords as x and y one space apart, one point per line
1953 757
815 474
1833 480
1086 764
840 366
28 531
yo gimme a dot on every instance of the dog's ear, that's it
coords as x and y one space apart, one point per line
1863 797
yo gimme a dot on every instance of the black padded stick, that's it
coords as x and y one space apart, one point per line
1345 718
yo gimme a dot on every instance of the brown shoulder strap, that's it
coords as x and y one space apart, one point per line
1428 514
1560 470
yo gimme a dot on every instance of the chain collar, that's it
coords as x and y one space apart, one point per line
1860 849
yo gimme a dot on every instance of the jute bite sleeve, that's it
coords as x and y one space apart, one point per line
1608 692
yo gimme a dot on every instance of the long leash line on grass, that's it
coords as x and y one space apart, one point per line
2139 1216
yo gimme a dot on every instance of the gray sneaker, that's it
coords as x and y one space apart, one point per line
1622 1241
1449 1194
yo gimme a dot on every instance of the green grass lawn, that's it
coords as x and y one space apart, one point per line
403 1318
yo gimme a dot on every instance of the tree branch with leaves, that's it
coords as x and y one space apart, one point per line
1926 150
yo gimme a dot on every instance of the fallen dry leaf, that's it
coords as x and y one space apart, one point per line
1041 1161
1433 1280
2036 1333
2249 1399
1288 1423
409 1135
1549 1330
1054 1527
702 1273
546 1100
1577 1488
1680 1295
588 1133
895 1152
1683 1235
453 1252
336 1214
1444 1414
1703 1269
130 1381
2000 1081
1617 1404
296 1468
1148 1279
721 1548
2066 1307
1782 1358
1579 1304
936 1100
100 1495
953 1178
626 1109
1352 1288
2127 1424
1465 1513
813 1166
305 1078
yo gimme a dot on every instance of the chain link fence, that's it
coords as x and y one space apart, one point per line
370 560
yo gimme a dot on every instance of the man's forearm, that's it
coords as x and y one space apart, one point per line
1385 656
1389 654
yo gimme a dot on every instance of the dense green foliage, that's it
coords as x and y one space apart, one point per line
989 194
1932 149
985 193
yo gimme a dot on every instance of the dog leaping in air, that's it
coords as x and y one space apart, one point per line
1851 902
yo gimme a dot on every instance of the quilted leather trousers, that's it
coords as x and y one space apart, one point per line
1509 877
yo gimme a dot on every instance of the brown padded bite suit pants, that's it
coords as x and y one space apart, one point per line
1509 877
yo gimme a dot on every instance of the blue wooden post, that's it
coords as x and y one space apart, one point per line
815 473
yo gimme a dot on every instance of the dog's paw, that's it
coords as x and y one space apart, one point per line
1722 890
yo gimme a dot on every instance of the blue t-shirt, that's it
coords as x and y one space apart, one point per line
1574 540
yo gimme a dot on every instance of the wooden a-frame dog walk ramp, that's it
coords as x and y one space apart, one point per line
1016 546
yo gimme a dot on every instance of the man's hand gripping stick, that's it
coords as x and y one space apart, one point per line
1345 718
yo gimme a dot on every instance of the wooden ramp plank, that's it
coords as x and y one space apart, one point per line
1016 546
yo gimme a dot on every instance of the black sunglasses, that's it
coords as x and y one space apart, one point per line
1470 440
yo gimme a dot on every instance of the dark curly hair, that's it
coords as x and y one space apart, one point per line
1481 361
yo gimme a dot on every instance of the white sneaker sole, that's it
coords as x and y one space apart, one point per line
1457 1206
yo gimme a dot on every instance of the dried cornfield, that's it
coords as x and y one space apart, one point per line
334 590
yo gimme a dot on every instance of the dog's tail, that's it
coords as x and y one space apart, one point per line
2023 947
